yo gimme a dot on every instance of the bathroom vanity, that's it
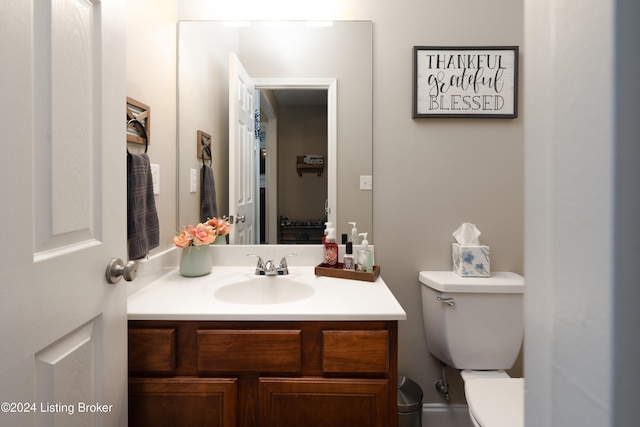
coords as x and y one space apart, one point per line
234 349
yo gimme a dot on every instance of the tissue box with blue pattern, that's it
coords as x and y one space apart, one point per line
471 261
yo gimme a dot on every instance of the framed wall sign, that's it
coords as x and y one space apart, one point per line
465 82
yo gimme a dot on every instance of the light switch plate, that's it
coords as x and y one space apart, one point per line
155 178
366 182
194 181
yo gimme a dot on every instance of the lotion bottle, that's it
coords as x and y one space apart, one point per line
330 248
365 255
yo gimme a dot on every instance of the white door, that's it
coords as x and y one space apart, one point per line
242 154
62 326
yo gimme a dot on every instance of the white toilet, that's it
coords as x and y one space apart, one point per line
476 324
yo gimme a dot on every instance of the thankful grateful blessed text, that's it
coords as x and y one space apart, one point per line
465 82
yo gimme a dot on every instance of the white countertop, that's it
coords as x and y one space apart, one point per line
174 297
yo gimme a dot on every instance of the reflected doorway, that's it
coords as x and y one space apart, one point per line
294 146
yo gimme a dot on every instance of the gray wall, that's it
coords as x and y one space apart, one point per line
302 129
203 99
151 76
430 175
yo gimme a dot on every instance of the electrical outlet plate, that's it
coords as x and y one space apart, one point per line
366 182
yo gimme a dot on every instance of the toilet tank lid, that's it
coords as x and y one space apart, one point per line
500 282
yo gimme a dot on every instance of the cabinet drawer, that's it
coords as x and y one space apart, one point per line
355 351
152 350
249 351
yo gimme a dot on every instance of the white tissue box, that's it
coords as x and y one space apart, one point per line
471 261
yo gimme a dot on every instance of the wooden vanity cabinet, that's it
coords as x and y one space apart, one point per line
266 374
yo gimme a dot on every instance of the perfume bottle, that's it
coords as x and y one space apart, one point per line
349 261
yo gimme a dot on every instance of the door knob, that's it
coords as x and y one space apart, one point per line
232 219
117 269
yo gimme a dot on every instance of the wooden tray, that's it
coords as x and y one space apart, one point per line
340 273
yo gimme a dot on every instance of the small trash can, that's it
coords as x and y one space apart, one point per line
409 403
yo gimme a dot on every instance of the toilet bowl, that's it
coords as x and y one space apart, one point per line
494 398
476 325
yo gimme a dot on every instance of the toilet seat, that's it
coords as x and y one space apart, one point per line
496 402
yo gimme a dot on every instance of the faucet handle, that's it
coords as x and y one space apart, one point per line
260 265
283 268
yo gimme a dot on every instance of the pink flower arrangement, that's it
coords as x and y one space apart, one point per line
202 234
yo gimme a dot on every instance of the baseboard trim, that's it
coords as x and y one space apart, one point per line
445 415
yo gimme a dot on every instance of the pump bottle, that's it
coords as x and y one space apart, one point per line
365 255
327 226
353 237
330 248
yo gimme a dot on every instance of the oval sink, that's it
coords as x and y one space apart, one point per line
264 290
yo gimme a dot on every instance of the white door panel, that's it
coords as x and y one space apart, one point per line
242 154
63 327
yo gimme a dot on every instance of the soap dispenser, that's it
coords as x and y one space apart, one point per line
354 233
365 255
327 226
330 248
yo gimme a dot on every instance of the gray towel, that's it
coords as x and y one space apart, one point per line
143 228
208 204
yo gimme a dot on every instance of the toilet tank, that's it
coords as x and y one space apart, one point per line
473 322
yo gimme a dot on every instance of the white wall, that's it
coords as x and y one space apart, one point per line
582 206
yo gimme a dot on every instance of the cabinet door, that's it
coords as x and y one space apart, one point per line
323 402
182 401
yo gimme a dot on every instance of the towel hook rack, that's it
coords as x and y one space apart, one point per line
203 146
206 151
135 121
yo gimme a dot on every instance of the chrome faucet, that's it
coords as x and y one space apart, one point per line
283 268
269 268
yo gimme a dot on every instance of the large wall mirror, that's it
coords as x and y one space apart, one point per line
313 116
